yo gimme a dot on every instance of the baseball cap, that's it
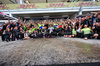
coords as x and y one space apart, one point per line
98 13
89 15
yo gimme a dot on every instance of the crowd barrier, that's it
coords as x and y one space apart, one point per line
49 5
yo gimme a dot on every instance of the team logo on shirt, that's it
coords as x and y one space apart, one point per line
90 20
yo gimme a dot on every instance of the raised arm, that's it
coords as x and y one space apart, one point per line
9 19
75 17
79 21
18 19
87 15
94 13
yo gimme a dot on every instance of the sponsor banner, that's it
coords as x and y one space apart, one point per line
48 5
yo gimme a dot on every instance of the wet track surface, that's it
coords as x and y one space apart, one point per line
49 51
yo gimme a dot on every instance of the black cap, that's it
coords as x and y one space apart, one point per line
98 13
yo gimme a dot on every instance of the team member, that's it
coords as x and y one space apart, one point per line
97 29
30 33
3 35
58 31
68 31
21 33
97 26
51 28
74 32
34 34
26 35
7 34
40 32
98 18
15 34
87 32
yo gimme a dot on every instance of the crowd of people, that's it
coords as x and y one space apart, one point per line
87 27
